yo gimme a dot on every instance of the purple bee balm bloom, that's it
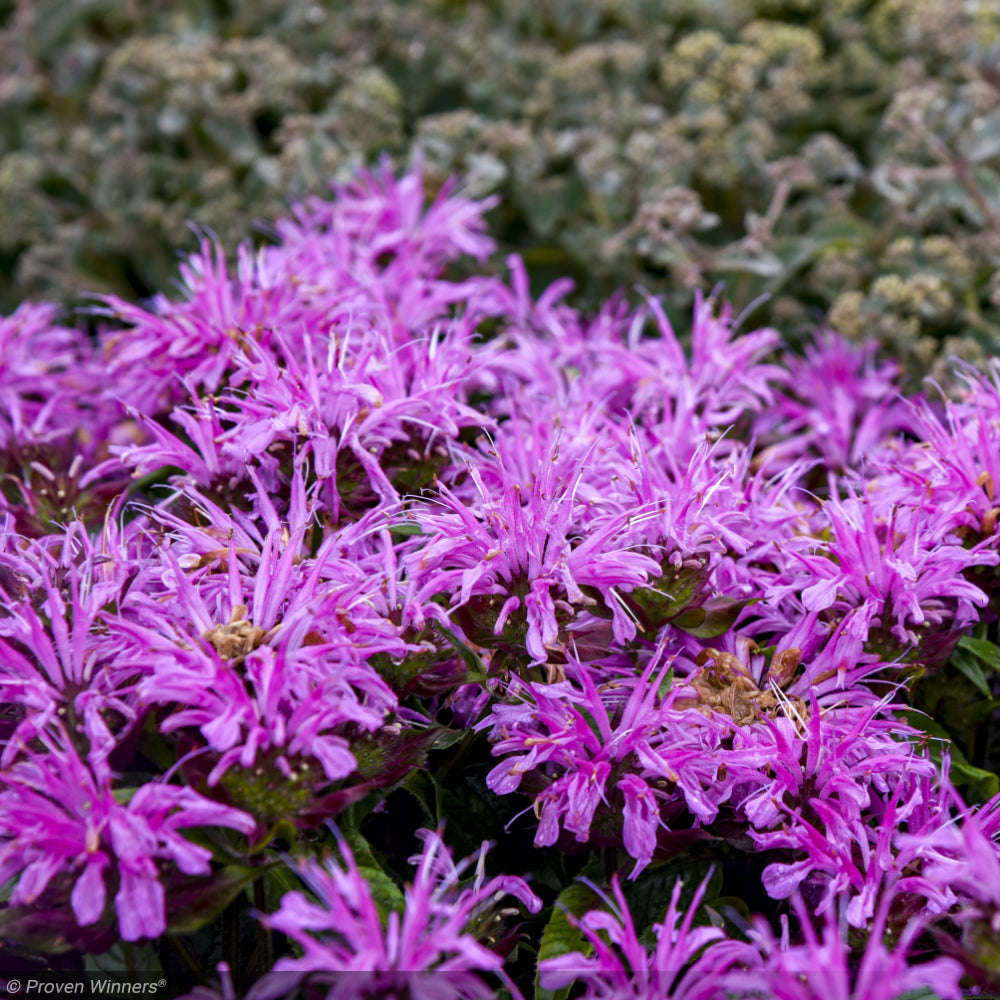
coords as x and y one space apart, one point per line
343 932
354 393
281 678
839 405
954 465
378 216
165 342
695 507
822 967
327 267
60 816
50 383
837 768
962 858
204 462
599 773
688 963
898 581
640 817
917 808
57 419
267 711
226 563
512 555
57 658
691 519
682 401
561 368
801 664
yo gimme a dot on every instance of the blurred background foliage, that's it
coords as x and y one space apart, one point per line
841 156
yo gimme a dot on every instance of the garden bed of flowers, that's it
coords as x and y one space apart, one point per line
333 570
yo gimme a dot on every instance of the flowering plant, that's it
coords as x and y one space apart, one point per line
345 549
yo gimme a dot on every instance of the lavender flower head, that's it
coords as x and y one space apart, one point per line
823 967
62 827
436 927
688 962
56 656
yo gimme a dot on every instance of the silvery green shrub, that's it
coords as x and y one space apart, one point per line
840 156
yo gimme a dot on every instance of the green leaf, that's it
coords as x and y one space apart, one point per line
723 905
283 829
420 784
233 137
124 957
560 937
842 228
649 896
544 205
985 142
964 773
794 254
386 758
387 895
448 738
153 746
405 530
765 265
197 902
63 21
713 618
278 881
970 667
8 887
123 796
592 724
665 685
472 659
988 652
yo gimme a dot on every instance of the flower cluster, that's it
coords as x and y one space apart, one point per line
62 821
388 545
429 932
